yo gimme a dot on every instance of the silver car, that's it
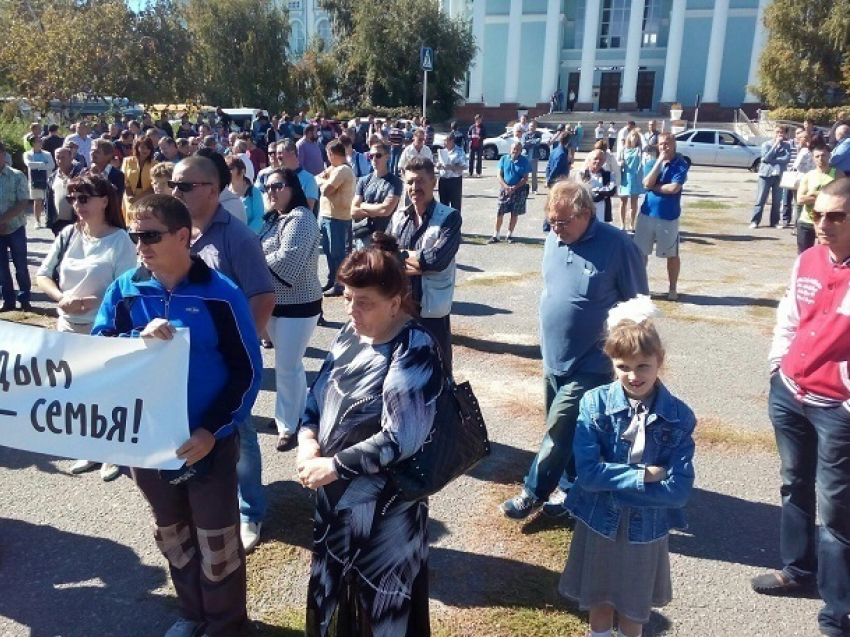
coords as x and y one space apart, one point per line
712 147
495 147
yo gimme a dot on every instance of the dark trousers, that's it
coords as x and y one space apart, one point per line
806 236
14 243
475 157
451 191
441 329
768 186
562 395
789 205
197 529
814 452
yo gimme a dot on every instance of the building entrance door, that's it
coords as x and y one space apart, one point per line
645 90
572 88
609 91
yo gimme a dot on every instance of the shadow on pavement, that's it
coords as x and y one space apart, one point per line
729 529
703 238
60 583
496 347
16 459
505 465
468 308
727 301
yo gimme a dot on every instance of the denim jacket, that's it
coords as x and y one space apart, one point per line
607 483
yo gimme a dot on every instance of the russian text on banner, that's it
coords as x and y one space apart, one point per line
118 400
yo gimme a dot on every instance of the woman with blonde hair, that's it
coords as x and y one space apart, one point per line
137 172
631 179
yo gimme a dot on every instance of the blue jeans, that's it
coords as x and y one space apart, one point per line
252 500
335 238
768 186
814 451
16 244
562 395
395 155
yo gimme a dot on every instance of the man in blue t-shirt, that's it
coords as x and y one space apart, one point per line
658 222
514 170
376 197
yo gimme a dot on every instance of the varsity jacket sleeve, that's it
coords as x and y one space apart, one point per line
438 256
240 349
787 322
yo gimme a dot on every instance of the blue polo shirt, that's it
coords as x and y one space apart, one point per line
581 282
663 206
514 171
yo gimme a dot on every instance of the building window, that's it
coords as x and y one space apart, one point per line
294 5
651 23
614 25
297 39
323 30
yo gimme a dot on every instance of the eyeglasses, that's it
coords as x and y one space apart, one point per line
80 199
834 216
148 237
278 185
374 155
187 186
557 223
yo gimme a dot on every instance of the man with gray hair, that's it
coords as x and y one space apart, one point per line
588 267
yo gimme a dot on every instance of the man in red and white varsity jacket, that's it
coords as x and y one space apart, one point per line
809 407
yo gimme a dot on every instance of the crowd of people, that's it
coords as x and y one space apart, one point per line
147 217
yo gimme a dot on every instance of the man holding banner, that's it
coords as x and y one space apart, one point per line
195 508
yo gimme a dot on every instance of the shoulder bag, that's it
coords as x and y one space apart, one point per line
457 442
64 241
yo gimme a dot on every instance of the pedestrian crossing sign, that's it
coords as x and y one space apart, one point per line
426 58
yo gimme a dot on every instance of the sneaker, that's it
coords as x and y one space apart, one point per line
672 295
185 628
754 225
82 466
108 472
286 442
521 507
250 533
493 239
509 239
266 344
332 292
778 583
556 506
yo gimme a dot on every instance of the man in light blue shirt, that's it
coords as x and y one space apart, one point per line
775 156
840 158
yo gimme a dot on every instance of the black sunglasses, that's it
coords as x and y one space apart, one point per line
374 155
80 199
833 216
278 185
148 237
187 186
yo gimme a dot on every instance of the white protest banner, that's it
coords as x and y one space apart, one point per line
118 400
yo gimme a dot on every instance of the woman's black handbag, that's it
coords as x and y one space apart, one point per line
457 442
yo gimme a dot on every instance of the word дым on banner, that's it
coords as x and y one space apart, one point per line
117 400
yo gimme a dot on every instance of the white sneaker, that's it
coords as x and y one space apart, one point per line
81 466
108 472
250 533
184 628
754 225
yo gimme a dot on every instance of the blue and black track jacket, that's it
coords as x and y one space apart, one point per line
225 365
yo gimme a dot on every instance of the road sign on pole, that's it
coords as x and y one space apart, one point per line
426 61
426 58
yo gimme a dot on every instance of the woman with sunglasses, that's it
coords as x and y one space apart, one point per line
137 172
249 194
83 261
290 239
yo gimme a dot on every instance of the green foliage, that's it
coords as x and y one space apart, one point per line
313 80
801 65
380 65
238 51
820 116
12 133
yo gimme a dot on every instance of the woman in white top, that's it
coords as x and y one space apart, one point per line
40 165
83 261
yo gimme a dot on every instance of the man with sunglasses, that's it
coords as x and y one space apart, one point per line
196 518
226 244
375 198
588 267
808 407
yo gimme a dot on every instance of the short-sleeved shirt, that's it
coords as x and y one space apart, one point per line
663 206
514 171
308 184
335 203
229 246
814 181
374 189
13 188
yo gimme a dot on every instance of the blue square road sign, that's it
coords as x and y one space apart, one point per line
426 58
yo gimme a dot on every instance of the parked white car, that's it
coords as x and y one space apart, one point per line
495 147
712 147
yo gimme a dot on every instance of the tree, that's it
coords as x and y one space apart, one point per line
313 79
238 51
801 64
380 65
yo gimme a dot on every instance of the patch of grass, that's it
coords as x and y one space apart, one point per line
495 278
508 621
29 318
707 204
718 435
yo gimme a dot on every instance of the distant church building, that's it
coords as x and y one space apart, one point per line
621 55
308 21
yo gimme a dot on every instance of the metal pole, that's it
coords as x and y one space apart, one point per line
424 95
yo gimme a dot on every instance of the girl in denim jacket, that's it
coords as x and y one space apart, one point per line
634 453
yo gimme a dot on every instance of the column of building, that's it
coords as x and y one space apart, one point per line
759 41
675 38
588 56
476 75
551 53
714 63
634 37
514 52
